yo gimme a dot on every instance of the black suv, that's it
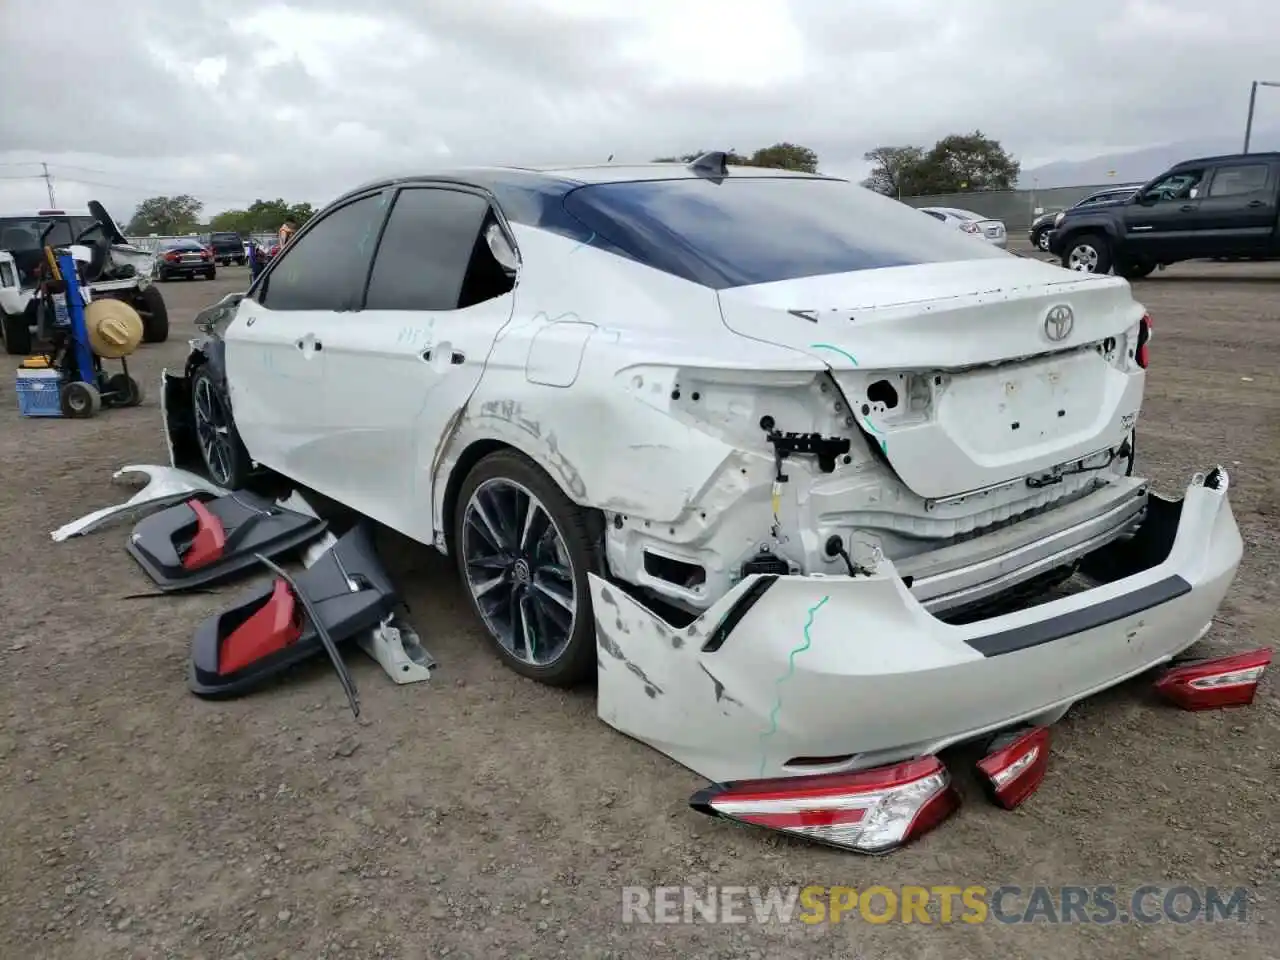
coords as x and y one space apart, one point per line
1214 207
227 247
1042 225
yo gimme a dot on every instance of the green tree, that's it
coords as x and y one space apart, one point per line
956 163
166 216
895 171
263 216
786 156
969 161
237 221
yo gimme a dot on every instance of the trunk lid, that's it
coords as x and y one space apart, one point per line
967 374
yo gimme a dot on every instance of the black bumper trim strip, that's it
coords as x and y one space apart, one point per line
1078 621
739 610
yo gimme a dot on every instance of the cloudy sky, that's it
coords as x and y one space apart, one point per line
234 100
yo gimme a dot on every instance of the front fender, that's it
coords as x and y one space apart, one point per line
1070 229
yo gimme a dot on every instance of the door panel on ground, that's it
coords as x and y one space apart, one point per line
1162 222
1237 213
276 365
400 368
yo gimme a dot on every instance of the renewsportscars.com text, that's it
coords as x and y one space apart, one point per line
970 904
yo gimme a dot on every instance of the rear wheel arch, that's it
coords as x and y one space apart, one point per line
472 454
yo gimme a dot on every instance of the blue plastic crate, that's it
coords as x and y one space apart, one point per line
38 393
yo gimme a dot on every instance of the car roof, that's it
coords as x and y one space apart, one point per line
1223 158
563 178
44 215
958 212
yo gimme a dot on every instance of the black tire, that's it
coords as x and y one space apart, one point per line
150 305
128 391
80 400
1076 246
577 661
211 274
241 261
1134 271
1040 240
17 334
238 466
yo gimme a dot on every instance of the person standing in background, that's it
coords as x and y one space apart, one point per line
286 231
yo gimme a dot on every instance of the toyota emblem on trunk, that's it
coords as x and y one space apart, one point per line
1059 322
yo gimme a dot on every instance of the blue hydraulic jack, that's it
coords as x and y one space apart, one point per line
84 387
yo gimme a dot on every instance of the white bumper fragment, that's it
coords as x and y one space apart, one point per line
842 673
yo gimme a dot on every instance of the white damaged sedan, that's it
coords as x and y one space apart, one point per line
814 485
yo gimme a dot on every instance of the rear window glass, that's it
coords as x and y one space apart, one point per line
752 230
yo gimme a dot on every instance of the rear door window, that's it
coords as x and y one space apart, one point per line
426 249
325 268
1240 180
750 230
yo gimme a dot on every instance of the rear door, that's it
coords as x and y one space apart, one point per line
401 368
275 346
1161 223
1237 215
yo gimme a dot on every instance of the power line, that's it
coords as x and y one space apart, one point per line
48 177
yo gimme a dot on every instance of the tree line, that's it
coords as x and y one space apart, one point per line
957 163
183 214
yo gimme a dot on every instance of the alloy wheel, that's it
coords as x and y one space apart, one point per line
213 431
519 571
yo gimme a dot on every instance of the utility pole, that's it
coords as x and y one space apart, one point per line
1253 97
49 186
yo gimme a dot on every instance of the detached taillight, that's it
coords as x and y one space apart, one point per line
1144 335
1209 684
869 811
1014 765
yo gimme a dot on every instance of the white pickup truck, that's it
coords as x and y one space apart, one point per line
118 270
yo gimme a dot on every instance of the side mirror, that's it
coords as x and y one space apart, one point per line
1145 199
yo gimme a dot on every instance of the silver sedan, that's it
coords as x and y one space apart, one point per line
975 224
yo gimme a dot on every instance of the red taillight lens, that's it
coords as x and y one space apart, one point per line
869 811
1014 766
1209 684
1144 335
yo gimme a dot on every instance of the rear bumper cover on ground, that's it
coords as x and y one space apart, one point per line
843 673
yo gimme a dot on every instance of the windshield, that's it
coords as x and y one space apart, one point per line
752 230
182 245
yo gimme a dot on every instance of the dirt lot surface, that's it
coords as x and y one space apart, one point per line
481 815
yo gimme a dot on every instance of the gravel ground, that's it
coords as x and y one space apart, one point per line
481 815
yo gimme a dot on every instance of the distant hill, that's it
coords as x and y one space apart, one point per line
1141 165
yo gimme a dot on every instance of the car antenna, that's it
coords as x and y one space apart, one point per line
712 164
